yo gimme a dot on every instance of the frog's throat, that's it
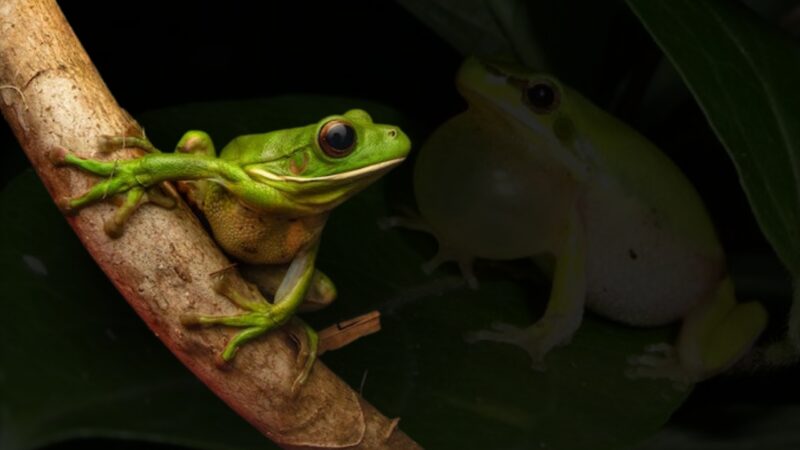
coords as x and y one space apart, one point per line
333 179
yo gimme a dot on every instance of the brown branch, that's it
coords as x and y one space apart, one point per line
51 95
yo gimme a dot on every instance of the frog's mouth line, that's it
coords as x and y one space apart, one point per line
344 176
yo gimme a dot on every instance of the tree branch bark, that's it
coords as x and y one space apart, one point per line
51 95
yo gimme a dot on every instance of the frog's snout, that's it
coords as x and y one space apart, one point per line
399 141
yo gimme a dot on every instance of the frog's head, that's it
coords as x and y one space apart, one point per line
537 104
318 166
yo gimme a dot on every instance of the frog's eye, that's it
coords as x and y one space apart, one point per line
541 96
337 138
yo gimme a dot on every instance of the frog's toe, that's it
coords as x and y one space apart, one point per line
307 342
411 223
408 219
253 325
115 225
66 206
662 348
163 195
465 264
58 156
517 336
135 198
659 361
241 338
498 332
537 340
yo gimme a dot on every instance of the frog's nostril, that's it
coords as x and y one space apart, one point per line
392 133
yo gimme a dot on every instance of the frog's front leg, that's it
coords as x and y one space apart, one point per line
564 311
263 316
139 177
713 336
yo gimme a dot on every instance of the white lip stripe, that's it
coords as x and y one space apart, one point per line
334 177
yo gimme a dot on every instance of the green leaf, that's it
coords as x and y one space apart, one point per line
77 362
569 39
744 75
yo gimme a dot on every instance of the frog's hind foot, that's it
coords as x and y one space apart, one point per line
713 337
658 362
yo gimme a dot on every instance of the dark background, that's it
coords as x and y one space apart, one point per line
156 53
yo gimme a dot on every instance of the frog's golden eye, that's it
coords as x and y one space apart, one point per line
541 96
337 138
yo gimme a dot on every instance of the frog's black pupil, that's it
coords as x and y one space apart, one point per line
340 137
541 96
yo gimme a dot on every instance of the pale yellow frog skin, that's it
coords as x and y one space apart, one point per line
533 168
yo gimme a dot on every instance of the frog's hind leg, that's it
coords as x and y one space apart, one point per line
445 253
713 337
262 316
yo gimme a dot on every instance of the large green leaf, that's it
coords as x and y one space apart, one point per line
744 75
76 362
568 38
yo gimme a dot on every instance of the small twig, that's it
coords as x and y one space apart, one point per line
343 333
230 266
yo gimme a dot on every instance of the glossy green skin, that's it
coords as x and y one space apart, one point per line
266 197
630 235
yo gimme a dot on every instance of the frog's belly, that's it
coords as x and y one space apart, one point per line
254 237
638 271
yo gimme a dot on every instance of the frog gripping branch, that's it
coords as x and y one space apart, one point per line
263 207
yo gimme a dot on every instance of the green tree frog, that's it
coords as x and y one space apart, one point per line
533 168
266 198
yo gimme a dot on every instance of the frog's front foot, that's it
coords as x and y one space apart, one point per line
549 332
120 177
414 221
659 361
261 317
